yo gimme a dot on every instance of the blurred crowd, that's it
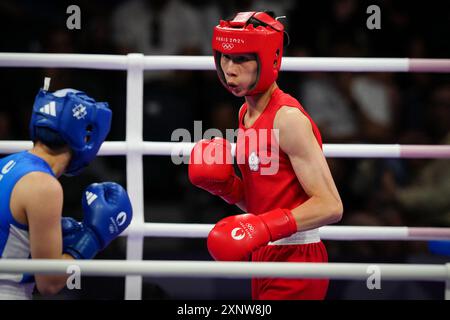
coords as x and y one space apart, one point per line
391 108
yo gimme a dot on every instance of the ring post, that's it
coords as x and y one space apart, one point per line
447 283
135 171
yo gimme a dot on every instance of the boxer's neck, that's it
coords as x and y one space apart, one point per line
257 103
58 161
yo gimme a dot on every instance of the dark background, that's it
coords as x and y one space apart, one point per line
405 108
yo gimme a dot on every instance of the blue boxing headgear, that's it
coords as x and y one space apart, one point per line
80 121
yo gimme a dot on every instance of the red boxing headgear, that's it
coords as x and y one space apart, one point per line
239 36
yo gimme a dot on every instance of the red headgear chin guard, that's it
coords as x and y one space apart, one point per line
239 36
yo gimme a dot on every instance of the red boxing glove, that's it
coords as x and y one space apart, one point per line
211 168
235 238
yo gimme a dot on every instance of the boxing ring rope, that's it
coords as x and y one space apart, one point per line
343 233
207 269
134 148
121 62
204 269
115 148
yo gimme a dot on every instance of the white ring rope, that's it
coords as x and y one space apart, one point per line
120 62
207 269
114 148
194 230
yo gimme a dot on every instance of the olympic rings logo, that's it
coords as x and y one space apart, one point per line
227 46
250 227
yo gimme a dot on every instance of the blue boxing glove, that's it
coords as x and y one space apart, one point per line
439 247
107 213
72 231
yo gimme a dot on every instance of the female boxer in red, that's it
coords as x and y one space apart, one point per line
286 187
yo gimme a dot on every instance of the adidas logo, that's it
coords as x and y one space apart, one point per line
49 108
90 197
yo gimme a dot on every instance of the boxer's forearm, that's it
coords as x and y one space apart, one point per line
52 284
317 212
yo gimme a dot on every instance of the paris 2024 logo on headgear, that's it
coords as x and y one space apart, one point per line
227 46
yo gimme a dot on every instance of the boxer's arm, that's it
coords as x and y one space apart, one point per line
297 140
42 196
